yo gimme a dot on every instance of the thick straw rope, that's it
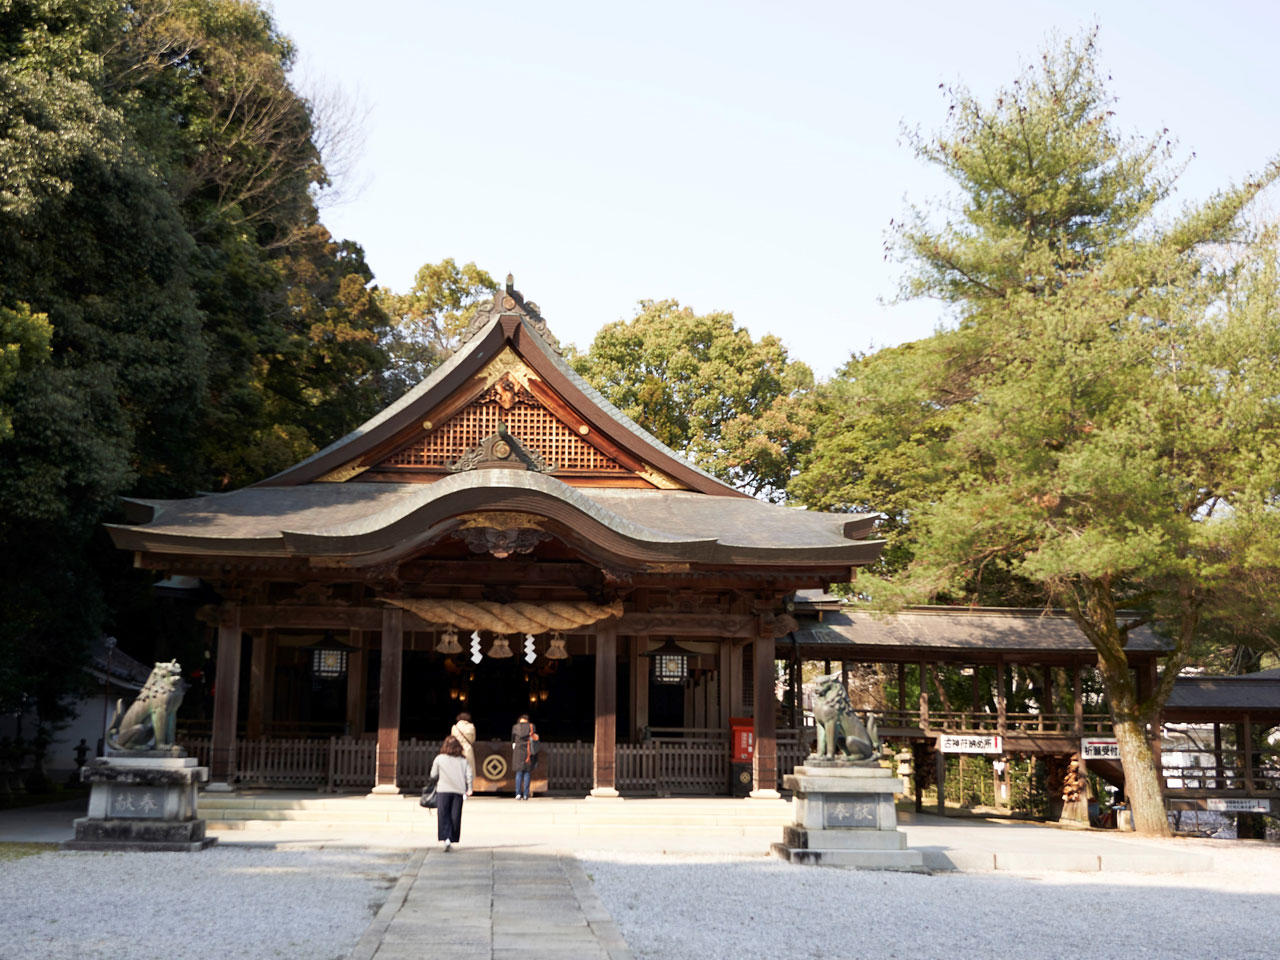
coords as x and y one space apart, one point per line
510 617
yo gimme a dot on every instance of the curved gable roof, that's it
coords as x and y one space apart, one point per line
506 322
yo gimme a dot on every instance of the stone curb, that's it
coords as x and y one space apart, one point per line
377 929
598 917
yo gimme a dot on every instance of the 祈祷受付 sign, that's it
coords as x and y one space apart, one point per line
1099 748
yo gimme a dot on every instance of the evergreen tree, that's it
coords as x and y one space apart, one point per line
1098 426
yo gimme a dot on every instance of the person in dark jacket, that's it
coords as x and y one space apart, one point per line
453 778
522 737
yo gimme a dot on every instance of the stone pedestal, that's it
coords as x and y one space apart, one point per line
843 816
142 801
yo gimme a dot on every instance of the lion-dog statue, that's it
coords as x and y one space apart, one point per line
840 732
150 720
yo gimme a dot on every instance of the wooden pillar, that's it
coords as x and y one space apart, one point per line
726 682
1000 697
737 707
255 728
1246 744
902 689
940 770
795 684
604 757
388 748
222 750
924 695
764 765
356 680
1077 699
640 670
1217 755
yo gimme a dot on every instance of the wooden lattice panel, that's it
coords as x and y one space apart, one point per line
536 427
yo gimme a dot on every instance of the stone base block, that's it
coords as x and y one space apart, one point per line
906 861
139 835
801 839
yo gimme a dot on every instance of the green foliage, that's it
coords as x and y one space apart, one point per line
738 408
24 342
1101 424
173 317
428 320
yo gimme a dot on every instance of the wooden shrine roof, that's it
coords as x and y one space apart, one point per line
1252 693
503 435
377 522
950 633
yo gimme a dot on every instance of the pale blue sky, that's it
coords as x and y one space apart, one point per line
735 156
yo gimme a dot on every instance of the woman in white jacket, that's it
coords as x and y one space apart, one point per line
465 731
453 782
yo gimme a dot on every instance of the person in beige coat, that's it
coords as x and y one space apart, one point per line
465 731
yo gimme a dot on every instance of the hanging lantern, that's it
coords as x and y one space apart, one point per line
557 651
328 658
670 662
449 643
542 694
500 650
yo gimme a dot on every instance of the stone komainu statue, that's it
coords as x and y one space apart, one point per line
149 721
840 732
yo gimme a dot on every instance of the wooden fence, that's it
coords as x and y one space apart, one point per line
694 765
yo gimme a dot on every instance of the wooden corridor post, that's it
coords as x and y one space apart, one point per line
258 673
226 702
388 749
356 682
764 764
605 754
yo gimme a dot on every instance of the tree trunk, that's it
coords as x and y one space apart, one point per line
1141 779
1094 611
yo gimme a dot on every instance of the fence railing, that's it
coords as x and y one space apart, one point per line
696 764
980 721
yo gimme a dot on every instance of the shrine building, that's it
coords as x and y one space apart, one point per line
501 540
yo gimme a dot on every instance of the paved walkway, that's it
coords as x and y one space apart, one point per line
469 904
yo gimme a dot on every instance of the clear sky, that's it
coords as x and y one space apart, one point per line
735 156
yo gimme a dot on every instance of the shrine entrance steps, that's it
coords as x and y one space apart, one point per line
702 824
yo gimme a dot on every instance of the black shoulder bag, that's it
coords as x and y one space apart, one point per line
429 794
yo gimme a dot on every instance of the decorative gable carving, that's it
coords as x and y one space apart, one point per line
508 401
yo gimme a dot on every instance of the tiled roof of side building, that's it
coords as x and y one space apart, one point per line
945 628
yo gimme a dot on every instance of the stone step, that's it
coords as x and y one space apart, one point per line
404 813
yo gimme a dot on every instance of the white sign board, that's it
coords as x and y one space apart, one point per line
1238 805
971 743
1099 748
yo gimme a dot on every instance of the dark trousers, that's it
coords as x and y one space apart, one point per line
449 816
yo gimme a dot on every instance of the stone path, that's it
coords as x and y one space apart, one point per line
486 904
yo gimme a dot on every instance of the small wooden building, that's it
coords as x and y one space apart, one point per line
503 540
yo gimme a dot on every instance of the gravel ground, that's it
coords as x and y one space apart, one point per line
221 902
699 908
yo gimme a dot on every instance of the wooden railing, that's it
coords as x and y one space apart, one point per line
695 763
978 721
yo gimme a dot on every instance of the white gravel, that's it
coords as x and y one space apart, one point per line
686 907
221 902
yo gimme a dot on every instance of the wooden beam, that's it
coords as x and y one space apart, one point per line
356 681
940 775
1001 700
604 756
765 762
257 684
1077 700
388 748
222 749
725 674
